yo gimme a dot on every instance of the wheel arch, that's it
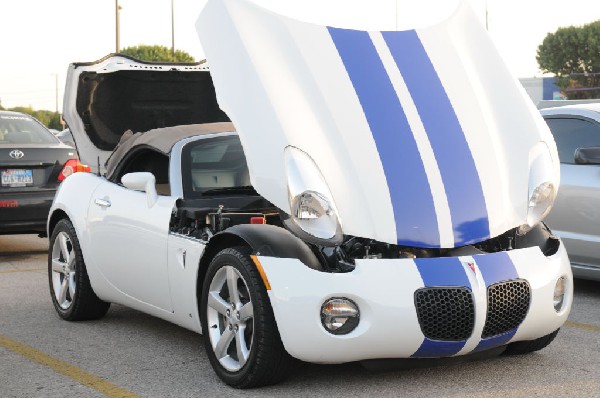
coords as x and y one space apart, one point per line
262 239
55 217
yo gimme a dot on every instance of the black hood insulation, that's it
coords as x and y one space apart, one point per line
140 100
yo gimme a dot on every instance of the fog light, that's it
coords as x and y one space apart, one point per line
339 315
559 293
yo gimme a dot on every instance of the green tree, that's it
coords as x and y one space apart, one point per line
48 118
23 109
573 55
157 54
1 107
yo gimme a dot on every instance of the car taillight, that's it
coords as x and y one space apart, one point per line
72 166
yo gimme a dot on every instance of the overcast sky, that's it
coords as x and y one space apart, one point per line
41 37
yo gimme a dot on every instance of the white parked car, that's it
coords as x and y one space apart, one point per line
381 196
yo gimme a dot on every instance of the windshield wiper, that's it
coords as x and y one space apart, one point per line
247 189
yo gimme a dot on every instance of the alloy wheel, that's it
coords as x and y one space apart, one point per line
63 270
230 318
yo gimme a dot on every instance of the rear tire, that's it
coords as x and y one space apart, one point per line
525 347
70 288
240 334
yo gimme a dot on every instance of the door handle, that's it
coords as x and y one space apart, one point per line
102 202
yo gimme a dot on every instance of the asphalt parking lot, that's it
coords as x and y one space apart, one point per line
129 354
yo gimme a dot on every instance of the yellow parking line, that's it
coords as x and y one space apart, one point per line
10 271
583 326
66 369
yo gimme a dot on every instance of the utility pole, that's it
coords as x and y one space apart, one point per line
486 16
56 89
118 25
172 29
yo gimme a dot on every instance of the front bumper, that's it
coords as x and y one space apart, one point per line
385 290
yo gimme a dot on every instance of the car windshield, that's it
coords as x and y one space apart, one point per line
22 129
215 167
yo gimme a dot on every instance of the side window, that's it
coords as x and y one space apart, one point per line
147 160
211 165
570 134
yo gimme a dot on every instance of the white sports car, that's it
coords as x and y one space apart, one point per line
382 195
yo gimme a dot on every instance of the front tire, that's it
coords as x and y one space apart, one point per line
240 334
70 289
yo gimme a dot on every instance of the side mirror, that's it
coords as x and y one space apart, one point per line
142 181
590 155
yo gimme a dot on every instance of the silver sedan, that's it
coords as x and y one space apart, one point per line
576 213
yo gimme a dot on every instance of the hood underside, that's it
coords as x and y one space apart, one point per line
423 136
110 96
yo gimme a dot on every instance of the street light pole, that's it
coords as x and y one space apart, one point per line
118 25
486 16
56 89
172 29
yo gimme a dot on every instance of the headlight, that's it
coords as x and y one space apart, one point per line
543 184
540 203
339 315
313 215
311 205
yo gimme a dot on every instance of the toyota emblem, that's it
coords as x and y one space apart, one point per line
16 154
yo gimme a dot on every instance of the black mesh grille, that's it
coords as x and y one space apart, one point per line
508 303
445 313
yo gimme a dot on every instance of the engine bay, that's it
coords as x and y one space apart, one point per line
201 219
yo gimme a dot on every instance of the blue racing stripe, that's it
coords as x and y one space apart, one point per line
412 201
495 267
455 160
438 349
442 271
496 341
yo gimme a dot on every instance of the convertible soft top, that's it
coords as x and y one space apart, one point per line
161 139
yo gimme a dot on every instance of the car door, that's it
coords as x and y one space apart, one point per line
129 241
576 213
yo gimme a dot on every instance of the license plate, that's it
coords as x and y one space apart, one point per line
17 178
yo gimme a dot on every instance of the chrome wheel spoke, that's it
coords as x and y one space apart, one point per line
72 284
216 302
232 280
71 264
242 350
247 311
62 294
57 265
62 239
223 343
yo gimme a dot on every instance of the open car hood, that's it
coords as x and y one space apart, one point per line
105 98
423 136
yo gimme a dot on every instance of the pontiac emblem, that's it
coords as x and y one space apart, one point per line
16 154
472 266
